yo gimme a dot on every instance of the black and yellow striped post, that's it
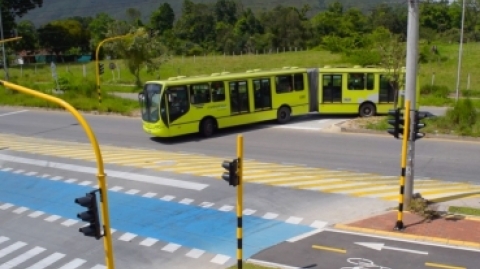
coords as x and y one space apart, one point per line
399 225
240 201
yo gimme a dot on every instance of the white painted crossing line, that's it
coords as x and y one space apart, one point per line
171 247
36 214
20 210
14 247
149 242
111 173
5 206
3 239
22 258
73 264
220 259
47 261
149 194
127 237
195 253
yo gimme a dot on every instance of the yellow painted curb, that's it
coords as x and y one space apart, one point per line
408 236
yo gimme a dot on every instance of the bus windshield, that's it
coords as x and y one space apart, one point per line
149 100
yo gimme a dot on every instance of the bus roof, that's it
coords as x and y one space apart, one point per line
268 72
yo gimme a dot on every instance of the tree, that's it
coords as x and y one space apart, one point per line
29 41
137 50
15 8
98 28
162 19
393 55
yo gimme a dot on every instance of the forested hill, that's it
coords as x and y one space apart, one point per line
61 9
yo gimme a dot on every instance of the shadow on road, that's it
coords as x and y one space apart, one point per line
249 128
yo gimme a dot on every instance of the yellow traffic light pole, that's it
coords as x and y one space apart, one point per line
406 129
97 68
10 39
240 202
101 174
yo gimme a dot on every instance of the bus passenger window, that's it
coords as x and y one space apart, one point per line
370 81
284 84
262 94
218 91
298 82
356 81
200 94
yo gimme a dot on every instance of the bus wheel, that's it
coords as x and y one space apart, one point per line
283 114
367 110
207 127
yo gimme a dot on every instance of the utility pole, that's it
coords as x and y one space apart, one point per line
460 52
3 44
411 91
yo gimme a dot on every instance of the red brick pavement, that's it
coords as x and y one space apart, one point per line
450 227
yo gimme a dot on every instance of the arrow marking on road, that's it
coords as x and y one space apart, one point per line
380 246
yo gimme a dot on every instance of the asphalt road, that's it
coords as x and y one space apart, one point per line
453 161
348 251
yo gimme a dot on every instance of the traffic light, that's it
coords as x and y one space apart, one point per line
419 125
231 176
91 215
100 68
397 122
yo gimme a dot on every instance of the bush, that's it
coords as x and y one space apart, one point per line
463 116
470 93
439 91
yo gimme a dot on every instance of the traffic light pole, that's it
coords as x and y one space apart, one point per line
240 202
100 167
97 68
403 163
410 91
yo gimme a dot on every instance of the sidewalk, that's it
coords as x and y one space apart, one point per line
450 229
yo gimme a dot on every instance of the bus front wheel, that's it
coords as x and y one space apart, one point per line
207 127
367 110
283 114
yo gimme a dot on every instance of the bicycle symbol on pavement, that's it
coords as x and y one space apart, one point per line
361 263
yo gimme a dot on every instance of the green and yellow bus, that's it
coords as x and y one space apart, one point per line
184 105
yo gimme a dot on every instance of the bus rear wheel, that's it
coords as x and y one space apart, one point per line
207 127
367 110
283 114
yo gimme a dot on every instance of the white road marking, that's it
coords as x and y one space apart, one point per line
167 198
186 201
294 220
73 264
13 113
226 208
36 214
319 224
69 222
270 215
6 206
20 210
22 258
149 194
112 173
16 246
195 253
303 236
127 237
52 218
148 242
171 247
44 263
220 259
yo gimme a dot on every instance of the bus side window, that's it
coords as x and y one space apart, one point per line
199 94
298 82
356 81
218 91
370 81
284 84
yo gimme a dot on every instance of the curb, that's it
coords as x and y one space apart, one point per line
409 236
427 135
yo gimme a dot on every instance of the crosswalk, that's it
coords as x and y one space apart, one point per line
18 254
274 174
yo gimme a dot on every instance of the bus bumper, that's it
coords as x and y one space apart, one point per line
156 129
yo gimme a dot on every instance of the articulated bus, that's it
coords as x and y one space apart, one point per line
202 104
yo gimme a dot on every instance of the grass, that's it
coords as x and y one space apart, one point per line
464 210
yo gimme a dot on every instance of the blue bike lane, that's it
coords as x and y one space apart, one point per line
188 225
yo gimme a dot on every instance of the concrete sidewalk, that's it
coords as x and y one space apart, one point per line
447 228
